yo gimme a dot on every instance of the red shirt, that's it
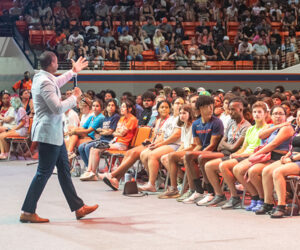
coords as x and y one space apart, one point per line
74 11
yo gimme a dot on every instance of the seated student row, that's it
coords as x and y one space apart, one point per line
207 133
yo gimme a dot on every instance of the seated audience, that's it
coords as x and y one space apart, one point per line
123 135
87 131
20 128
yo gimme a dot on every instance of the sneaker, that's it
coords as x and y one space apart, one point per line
170 193
252 205
93 178
86 175
187 194
193 198
111 182
233 202
206 199
71 155
101 176
217 200
258 206
147 187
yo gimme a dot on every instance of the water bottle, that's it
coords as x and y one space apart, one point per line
127 177
77 169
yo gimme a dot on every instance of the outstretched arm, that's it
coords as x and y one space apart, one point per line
77 66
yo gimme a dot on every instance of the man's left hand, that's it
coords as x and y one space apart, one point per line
79 65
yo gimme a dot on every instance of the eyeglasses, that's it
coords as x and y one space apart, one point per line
278 114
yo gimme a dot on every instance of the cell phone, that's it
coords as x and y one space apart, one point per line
145 143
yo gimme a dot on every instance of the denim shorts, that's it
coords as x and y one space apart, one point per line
174 146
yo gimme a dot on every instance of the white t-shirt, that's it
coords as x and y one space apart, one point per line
92 27
225 119
169 126
186 136
75 39
10 113
84 118
126 39
70 119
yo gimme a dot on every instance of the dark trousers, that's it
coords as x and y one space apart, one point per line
49 157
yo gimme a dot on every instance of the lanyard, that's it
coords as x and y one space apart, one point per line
161 123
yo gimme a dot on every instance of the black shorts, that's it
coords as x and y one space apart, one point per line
275 156
239 159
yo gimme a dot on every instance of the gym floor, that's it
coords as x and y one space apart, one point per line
130 223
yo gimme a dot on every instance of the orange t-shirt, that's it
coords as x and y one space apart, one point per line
26 84
130 124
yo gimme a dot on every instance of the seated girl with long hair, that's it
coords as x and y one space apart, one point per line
171 160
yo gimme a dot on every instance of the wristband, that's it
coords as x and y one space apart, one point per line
292 158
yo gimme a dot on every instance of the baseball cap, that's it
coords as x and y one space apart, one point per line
226 38
204 93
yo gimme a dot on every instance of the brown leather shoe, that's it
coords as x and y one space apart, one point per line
83 211
32 218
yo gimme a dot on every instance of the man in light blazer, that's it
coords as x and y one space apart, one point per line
47 129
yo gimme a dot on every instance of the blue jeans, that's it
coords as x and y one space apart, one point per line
137 58
49 156
84 151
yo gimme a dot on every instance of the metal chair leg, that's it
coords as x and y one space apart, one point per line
183 183
243 199
295 197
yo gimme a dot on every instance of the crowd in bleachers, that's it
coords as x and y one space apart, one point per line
215 137
193 34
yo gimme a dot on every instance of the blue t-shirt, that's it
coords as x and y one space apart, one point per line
205 130
94 122
109 122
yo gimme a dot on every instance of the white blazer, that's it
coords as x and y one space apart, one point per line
47 124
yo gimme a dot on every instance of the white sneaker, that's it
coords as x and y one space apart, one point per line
207 198
192 198
86 175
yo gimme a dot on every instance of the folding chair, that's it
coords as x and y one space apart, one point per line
148 55
294 181
111 65
115 156
20 140
36 37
